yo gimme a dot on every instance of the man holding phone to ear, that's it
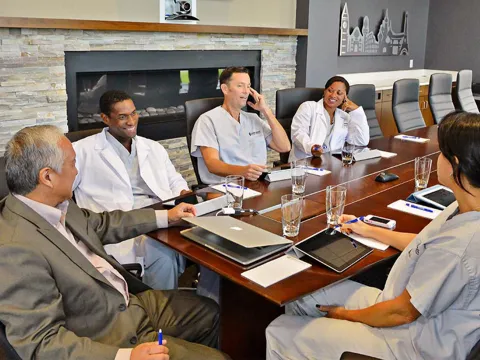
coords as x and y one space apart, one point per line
326 125
230 141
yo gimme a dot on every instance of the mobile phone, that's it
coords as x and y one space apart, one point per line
380 221
251 99
264 175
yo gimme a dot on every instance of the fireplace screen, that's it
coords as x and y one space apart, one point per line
156 94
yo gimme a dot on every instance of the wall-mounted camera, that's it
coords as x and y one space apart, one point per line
178 11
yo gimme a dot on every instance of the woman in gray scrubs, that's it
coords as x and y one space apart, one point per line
430 307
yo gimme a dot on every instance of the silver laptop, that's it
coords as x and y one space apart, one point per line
235 239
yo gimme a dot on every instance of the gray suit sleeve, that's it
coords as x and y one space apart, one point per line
31 309
116 226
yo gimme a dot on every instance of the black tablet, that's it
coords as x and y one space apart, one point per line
437 195
337 251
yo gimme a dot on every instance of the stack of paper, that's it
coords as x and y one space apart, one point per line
365 155
279 175
412 138
386 154
276 270
414 209
374 244
317 171
247 193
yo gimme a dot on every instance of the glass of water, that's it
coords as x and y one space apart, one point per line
234 186
299 176
292 206
347 154
423 166
335 202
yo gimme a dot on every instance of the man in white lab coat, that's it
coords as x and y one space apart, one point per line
119 170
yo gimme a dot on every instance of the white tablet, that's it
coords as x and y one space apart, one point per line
437 195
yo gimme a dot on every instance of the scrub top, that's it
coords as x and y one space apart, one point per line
440 269
238 143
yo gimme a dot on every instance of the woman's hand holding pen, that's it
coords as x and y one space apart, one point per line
358 227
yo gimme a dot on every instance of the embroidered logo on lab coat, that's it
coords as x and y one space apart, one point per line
253 133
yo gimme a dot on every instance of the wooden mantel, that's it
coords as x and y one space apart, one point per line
40 23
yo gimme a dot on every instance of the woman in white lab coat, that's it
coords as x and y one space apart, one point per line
326 125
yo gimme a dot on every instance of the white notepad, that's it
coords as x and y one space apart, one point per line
279 175
276 270
317 171
412 138
401 205
386 154
367 154
374 244
247 193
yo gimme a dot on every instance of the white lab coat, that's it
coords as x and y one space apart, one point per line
103 184
310 126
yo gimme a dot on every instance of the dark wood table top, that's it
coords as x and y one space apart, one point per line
365 196
406 153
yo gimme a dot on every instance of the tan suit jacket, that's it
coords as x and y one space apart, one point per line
53 302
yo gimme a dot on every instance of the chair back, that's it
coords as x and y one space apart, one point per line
3 180
405 105
364 96
193 110
440 96
464 91
287 104
7 352
79 135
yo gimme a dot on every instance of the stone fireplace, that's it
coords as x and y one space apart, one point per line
34 80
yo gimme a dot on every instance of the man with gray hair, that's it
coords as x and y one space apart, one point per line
61 295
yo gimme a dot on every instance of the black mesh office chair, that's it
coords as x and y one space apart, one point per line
7 352
440 96
405 105
79 135
464 93
287 103
364 95
3 181
193 110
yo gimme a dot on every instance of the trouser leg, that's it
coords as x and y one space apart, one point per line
163 265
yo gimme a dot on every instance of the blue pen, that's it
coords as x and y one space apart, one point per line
419 207
316 147
160 337
410 137
313 168
351 221
235 186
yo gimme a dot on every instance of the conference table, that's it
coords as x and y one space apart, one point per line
247 308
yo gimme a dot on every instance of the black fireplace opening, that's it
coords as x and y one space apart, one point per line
159 83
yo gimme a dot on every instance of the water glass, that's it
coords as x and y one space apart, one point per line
347 154
299 176
234 187
335 202
292 206
423 166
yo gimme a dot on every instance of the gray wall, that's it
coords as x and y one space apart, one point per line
454 36
322 60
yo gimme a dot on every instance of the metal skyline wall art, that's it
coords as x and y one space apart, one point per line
365 43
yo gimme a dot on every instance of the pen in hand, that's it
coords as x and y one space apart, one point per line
160 337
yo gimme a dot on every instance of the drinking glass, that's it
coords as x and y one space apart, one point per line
299 176
347 154
335 202
423 166
292 206
234 186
